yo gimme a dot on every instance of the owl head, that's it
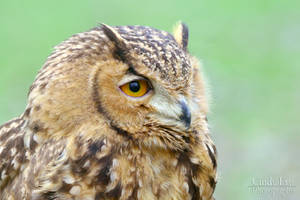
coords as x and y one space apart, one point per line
136 81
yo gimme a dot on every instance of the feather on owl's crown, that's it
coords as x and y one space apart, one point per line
158 50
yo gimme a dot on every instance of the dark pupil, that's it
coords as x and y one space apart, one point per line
134 86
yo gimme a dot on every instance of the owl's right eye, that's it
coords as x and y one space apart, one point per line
136 88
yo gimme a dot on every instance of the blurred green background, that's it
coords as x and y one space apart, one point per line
251 55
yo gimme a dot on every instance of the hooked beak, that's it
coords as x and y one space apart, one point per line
169 110
185 117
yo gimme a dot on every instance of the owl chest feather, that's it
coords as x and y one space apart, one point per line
106 171
102 169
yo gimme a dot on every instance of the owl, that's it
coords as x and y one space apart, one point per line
117 112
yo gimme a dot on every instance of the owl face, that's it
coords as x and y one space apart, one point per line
132 100
138 80
148 84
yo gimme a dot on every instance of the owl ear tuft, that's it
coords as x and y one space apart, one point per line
181 35
112 34
117 39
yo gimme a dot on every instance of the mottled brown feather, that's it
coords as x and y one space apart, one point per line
81 137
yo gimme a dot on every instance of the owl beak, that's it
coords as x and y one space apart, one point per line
185 116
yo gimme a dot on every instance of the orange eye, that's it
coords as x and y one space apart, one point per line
136 88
